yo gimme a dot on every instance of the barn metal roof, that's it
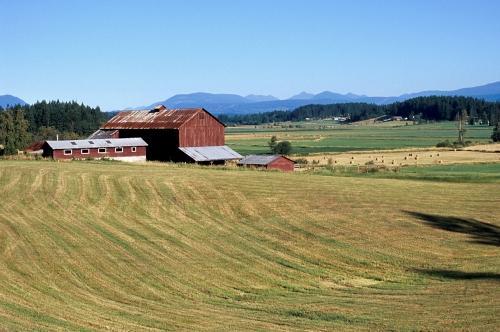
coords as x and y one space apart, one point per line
101 134
158 118
211 153
96 143
260 159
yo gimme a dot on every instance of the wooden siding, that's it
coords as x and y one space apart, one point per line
93 153
281 163
201 130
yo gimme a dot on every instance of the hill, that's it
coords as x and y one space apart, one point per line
96 245
236 104
8 100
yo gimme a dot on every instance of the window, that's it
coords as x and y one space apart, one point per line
101 150
68 152
108 141
119 149
201 116
91 142
73 143
133 149
84 151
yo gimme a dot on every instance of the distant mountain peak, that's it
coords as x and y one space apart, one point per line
302 96
10 100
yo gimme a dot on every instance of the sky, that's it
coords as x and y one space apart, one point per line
118 54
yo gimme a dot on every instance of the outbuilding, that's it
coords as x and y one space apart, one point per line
125 149
268 162
183 135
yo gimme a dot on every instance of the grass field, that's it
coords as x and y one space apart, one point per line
316 137
105 245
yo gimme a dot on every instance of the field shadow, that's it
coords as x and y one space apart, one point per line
479 232
460 275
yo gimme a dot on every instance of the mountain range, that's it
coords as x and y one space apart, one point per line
236 104
8 100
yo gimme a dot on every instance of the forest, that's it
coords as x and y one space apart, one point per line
21 125
434 108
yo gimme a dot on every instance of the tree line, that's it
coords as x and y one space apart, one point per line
21 125
433 108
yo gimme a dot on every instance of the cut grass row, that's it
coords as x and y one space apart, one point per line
98 245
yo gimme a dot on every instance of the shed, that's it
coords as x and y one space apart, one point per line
173 134
125 149
268 162
35 148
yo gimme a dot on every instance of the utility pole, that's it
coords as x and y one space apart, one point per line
462 120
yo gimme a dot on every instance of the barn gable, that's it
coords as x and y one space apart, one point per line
167 131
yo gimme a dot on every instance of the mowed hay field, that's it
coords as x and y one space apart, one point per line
102 245
414 157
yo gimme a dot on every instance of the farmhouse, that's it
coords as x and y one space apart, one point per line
125 149
186 135
268 162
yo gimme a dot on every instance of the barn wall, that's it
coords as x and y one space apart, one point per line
110 153
281 163
202 130
162 143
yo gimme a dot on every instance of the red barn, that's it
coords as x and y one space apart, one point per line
125 149
268 162
190 135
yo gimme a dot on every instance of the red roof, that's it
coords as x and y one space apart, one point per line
158 118
35 146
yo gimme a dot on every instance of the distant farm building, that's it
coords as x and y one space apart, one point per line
125 149
268 162
35 148
186 135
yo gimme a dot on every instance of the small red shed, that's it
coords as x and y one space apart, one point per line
268 162
125 149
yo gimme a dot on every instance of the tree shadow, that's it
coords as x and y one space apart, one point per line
480 232
460 275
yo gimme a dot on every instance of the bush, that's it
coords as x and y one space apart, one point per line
496 134
283 147
444 144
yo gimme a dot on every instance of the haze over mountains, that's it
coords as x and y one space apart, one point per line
236 104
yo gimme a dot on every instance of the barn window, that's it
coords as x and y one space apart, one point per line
84 151
91 142
133 149
73 143
68 152
119 149
108 141
201 116
101 150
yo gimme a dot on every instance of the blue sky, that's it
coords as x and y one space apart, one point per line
117 54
